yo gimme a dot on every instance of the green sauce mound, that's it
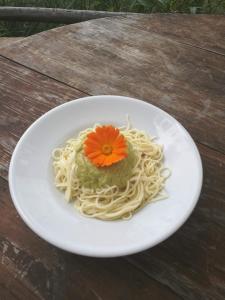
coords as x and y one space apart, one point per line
118 174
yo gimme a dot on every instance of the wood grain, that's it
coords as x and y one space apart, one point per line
10 287
203 31
25 96
5 41
107 56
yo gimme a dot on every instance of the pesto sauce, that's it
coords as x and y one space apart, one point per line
94 177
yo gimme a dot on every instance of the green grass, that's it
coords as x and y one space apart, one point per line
142 6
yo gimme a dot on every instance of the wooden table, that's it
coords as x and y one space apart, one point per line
176 62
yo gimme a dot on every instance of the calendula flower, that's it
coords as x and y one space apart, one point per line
105 146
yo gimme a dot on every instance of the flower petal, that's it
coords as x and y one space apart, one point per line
93 154
97 140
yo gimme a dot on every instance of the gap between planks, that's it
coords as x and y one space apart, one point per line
50 77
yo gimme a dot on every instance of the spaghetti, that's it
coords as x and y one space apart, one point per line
111 202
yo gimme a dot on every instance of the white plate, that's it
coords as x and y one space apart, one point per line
43 208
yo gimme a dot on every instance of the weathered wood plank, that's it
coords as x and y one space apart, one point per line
204 31
109 57
25 96
28 276
6 41
11 288
34 266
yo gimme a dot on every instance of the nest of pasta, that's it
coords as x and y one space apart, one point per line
110 173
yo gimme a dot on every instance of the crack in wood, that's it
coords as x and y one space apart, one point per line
45 75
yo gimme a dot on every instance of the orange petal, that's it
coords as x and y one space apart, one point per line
101 136
112 134
119 139
99 160
92 140
90 145
120 151
92 137
94 154
115 157
100 133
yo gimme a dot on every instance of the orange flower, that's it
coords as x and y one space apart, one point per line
105 146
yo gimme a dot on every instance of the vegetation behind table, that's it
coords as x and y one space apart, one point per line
13 28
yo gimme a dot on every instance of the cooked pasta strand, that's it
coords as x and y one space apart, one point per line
111 203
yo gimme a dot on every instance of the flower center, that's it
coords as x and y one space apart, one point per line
106 149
